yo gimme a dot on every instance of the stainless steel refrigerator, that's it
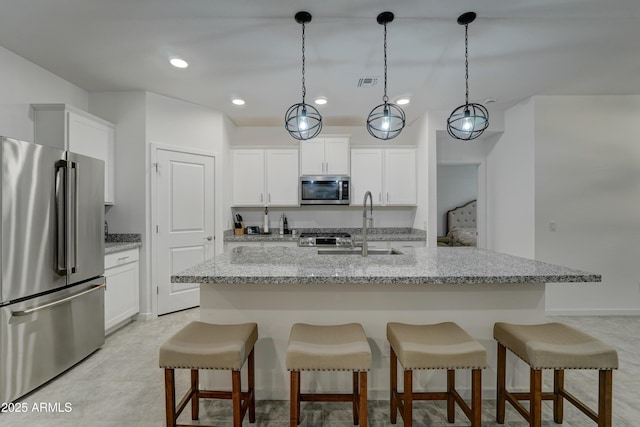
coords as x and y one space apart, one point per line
52 288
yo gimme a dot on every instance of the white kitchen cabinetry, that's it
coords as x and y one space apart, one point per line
324 156
265 177
68 128
389 173
121 299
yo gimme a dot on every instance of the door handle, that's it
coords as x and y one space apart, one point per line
209 238
60 266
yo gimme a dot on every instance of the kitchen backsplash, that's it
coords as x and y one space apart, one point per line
327 217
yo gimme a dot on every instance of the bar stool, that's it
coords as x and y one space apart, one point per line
329 348
553 346
208 346
439 346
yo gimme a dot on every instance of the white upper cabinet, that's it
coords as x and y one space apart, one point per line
265 177
366 175
400 176
68 128
389 173
282 177
248 177
324 156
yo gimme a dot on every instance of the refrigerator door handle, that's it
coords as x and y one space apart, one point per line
54 303
73 217
60 258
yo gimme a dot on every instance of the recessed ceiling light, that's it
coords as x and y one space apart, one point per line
403 101
179 62
237 101
321 100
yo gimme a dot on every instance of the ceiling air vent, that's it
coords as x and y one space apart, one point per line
367 81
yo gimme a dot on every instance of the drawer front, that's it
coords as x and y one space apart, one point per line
119 258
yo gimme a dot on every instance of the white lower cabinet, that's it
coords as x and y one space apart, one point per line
121 299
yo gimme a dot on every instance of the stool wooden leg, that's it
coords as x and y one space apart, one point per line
500 387
535 406
408 398
363 400
236 398
195 399
558 401
170 396
605 391
451 403
251 377
294 410
355 399
476 398
393 379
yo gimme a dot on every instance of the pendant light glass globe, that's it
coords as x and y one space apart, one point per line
387 120
303 121
468 121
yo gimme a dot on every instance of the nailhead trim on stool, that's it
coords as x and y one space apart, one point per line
329 348
553 346
202 345
441 346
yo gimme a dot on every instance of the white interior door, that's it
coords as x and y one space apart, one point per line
185 223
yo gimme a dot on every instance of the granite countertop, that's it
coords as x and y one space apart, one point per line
373 235
121 242
282 265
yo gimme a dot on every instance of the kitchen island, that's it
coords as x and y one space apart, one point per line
278 286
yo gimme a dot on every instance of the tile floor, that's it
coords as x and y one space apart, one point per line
121 385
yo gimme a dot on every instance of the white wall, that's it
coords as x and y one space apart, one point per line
587 169
127 111
510 184
23 83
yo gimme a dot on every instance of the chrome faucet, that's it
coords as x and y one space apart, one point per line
367 221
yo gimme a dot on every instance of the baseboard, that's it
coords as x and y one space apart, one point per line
146 316
594 312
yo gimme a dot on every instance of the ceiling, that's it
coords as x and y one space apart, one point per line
252 49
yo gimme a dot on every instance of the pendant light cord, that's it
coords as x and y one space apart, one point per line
304 90
385 98
466 63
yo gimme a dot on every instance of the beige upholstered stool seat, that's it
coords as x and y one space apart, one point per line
555 346
202 345
329 348
441 346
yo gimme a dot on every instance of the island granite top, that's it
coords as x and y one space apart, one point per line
443 265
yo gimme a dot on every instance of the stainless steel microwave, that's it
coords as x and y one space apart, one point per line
325 190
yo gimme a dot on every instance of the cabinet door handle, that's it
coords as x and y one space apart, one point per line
122 258
261 198
269 197
387 197
380 197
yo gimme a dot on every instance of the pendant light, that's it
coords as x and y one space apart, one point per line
468 121
385 121
303 121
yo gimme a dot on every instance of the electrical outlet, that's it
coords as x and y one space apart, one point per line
553 226
386 349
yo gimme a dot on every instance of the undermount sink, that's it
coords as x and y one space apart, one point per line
358 251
